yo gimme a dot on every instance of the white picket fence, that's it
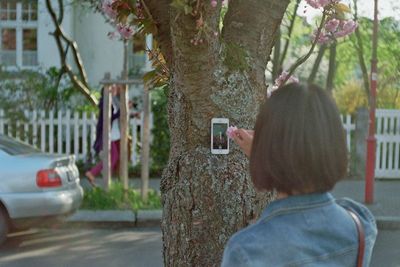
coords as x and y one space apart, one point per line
387 163
64 132
349 127
67 132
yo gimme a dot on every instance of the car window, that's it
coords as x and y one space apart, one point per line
14 147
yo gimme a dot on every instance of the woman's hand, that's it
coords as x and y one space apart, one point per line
244 139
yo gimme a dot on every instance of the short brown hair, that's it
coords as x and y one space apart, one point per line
299 143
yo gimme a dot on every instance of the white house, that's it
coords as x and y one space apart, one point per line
26 42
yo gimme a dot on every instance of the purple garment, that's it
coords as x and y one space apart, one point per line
98 143
96 170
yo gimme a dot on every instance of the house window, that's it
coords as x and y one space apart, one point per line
18 38
136 56
8 47
29 10
8 10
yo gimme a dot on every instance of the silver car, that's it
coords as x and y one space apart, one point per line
35 187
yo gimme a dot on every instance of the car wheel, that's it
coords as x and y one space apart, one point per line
4 226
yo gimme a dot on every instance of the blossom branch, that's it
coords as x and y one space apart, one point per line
303 59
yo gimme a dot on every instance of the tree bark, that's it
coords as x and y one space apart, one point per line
276 66
206 198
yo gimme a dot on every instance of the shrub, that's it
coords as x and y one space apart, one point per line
99 199
159 150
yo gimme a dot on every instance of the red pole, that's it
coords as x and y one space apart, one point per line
371 140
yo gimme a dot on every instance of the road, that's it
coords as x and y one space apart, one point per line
83 247
124 247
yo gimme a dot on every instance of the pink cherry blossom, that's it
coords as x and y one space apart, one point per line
214 3
332 25
126 31
108 9
279 82
112 35
347 27
323 3
231 131
318 3
323 38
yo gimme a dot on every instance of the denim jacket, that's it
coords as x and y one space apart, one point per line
303 230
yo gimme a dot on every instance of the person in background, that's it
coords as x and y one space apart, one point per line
115 135
298 150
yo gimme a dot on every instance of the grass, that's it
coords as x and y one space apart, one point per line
99 199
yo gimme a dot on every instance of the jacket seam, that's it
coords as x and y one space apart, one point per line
324 256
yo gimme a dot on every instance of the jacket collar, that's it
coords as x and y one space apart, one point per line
297 202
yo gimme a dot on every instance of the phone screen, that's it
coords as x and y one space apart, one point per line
220 139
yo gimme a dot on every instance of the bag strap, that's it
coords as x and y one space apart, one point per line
361 237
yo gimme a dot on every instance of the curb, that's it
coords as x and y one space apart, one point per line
152 218
388 223
115 218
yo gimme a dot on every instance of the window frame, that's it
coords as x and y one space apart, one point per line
20 25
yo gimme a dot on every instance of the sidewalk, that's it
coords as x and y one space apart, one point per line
386 206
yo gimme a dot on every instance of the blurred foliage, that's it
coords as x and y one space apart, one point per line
349 92
29 90
388 54
159 150
98 199
351 95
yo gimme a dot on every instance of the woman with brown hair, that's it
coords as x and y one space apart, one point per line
298 150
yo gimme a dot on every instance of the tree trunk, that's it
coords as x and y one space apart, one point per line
332 68
276 66
317 62
205 197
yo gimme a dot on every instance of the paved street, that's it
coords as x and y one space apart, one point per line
387 249
124 247
83 247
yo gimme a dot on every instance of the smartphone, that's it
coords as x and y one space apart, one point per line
219 138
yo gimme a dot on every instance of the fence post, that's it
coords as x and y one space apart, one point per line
358 153
2 121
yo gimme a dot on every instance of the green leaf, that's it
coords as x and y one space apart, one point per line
188 9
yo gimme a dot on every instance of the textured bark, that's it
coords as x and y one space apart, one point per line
206 198
276 66
159 11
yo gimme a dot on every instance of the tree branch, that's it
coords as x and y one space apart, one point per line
303 59
248 24
80 82
332 67
359 46
290 31
160 13
317 62
276 66
60 11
